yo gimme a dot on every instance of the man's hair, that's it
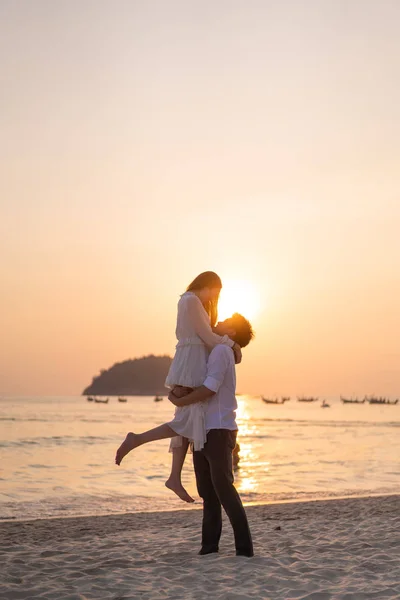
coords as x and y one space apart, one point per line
244 331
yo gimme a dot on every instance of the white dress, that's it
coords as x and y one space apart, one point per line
189 367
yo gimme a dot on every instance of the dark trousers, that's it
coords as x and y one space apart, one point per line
214 478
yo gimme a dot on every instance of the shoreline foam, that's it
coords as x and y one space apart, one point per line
152 505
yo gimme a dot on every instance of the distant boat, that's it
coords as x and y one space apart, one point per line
98 401
122 399
383 401
157 399
325 404
306 399
351 400
89 399
275 401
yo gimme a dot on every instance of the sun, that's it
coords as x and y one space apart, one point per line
238 296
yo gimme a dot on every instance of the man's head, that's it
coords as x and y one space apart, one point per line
238 328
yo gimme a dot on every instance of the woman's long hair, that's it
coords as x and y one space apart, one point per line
211 280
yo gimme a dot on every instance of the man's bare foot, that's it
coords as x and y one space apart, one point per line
130 442
179 490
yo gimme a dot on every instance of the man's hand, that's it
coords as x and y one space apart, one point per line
177 393
199 394
175 401
180 391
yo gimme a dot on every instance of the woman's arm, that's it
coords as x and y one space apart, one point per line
201 324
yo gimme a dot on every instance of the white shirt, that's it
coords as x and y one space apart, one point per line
195 340
221 378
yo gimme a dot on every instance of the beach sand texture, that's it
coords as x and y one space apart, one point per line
346 549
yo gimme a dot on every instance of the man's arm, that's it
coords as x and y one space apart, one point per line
217 365
199 394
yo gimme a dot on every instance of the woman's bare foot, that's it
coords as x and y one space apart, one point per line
130 442
177 487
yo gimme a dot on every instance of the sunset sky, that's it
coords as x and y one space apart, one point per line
143 142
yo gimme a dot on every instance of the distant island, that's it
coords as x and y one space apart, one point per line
135 377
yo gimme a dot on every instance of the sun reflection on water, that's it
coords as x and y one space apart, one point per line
243 419
246 479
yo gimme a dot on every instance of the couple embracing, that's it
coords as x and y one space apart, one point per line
202 382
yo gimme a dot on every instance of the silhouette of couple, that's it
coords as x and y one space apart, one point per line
202 383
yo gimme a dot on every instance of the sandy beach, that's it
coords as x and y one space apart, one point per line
340 549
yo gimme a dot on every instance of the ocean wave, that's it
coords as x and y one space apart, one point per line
55 440
60 419
311 423
28 419
96 505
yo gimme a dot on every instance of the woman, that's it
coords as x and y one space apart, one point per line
197 315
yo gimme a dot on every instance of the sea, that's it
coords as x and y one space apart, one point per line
57 455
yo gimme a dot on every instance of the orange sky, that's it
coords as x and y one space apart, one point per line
144 142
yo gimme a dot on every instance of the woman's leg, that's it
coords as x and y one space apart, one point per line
133 440
174 482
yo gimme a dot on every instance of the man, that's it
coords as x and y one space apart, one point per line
213 464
